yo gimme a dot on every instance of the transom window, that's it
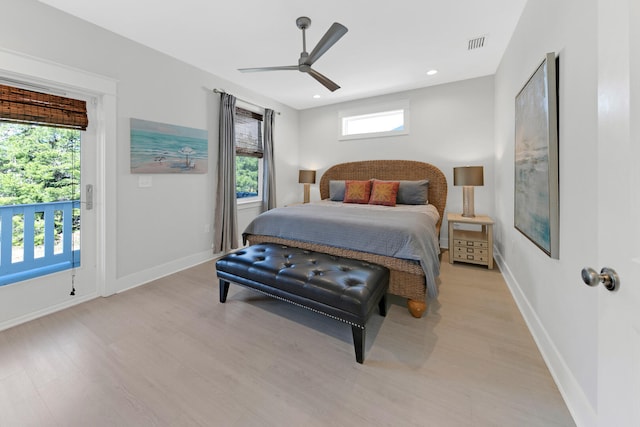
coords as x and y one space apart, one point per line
375 121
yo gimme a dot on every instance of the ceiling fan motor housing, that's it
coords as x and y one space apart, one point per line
302 65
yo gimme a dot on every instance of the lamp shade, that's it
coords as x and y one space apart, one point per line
468 175
307 177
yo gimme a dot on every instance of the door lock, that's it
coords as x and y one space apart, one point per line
89 196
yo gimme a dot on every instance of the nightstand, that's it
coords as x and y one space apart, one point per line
475 247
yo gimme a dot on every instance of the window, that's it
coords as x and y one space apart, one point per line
248 129
375 121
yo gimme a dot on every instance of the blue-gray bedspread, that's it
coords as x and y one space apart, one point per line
389 232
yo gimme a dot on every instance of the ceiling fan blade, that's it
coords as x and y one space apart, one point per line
253 70
332 86
333 34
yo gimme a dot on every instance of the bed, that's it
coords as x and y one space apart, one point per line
414 279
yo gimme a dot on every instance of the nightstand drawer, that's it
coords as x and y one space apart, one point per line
473 243
470 257
470 251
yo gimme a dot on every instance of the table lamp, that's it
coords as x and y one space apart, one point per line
307 177
468 177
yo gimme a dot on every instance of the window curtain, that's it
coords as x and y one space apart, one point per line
268 164
226 217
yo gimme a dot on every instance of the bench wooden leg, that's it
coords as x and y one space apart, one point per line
358 342
224 289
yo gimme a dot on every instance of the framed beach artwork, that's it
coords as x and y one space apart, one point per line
164 148
536 159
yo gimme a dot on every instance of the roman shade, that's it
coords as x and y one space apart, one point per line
248 129
29 107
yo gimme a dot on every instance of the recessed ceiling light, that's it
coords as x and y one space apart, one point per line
316 96
432 72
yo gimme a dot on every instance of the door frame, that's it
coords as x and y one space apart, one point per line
38 71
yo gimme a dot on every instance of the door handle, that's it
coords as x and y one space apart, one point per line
607 276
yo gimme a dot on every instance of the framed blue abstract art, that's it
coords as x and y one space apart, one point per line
537 204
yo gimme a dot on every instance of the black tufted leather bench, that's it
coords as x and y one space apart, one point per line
344 289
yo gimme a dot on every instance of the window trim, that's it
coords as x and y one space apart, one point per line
391 106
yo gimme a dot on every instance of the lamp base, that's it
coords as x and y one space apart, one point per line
467 201
307 191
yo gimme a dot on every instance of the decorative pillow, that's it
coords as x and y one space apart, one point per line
413 192
384 193
336 190
357 191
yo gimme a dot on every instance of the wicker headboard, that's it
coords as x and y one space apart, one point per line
391 170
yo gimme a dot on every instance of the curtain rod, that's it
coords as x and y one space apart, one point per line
240 99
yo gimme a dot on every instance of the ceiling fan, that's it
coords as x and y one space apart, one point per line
306 60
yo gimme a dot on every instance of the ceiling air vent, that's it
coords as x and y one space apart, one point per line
476 43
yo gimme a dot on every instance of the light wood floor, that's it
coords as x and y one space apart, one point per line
169 354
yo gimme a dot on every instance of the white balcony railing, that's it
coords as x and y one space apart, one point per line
38 239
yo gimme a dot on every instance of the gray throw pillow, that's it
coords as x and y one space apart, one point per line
336 190
413 192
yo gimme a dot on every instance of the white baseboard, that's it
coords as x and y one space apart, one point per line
142 277
45 311
581 410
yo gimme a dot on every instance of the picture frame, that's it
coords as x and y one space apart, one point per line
165 148
536 199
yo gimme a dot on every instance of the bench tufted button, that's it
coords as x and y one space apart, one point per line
259 258
344 268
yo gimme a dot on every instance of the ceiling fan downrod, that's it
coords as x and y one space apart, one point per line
303 23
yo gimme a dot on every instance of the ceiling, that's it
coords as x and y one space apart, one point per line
389 47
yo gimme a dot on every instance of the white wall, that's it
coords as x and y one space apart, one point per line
160 229
450 125
560 309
